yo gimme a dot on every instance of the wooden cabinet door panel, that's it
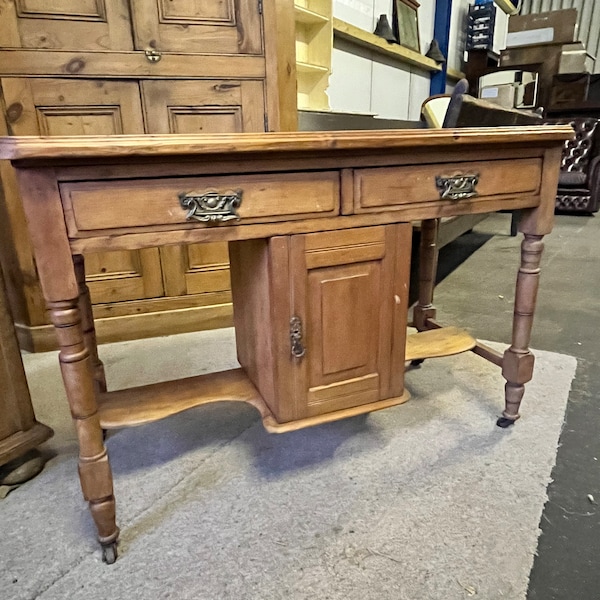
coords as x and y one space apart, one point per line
199 106
209 26
203 106
349 290
78 107
48 106
196 268
66 25
126 275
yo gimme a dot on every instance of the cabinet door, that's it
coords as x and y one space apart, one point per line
66 25
214 106
349 290
209 26
41 106
203 106
77 107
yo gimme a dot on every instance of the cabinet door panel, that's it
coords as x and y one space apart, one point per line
210 26
196 268
119 276
66 25
77 107
203 106
346 286
39 106
214 106
348 345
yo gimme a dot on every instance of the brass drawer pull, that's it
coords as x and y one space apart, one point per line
457 187
211 207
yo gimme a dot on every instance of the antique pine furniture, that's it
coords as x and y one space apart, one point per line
319 232
101 67
19 429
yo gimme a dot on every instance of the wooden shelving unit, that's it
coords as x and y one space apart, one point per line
314 39
363 38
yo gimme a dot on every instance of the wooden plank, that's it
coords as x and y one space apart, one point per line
41 200
445 341
144 404
381 141
372 42
273 426
158 317
281 65
402 258
129 65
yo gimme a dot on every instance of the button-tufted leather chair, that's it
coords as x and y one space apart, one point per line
579 179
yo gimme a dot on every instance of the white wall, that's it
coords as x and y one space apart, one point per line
366 82
458 33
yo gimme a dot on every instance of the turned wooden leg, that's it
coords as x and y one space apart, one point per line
517 362
94 469
428 259
87 323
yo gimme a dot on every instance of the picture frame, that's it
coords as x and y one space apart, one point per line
405 23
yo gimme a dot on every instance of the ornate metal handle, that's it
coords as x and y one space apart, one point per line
211 207
457 187
298 350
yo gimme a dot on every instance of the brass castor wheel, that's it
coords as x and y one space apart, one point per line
109 553
504 422
417 362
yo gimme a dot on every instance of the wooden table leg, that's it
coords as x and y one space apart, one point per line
428 259
43 208
87 322
517 362
94 469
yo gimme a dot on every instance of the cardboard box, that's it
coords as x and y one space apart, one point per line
502 94
510 88
554 27
575 59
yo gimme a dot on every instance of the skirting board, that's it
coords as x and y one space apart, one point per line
132 327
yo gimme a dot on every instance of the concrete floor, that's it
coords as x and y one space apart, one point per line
478 294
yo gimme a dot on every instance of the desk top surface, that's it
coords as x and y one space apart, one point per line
61 148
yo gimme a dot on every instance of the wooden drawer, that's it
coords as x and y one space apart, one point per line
389 187
94 206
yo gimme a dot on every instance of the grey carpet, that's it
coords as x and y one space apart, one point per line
428 500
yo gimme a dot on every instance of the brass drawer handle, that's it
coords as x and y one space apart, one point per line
211 207
457 187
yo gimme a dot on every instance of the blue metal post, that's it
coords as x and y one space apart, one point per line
441 32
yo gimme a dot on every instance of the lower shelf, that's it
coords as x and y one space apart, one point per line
144 404
435 343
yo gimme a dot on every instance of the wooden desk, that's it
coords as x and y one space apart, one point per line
319 231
